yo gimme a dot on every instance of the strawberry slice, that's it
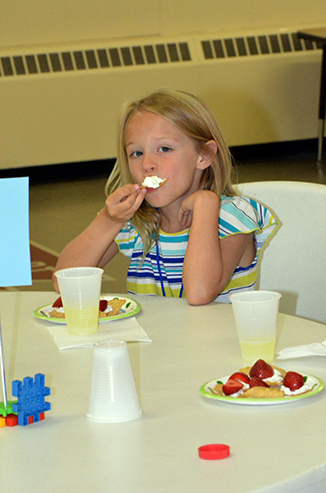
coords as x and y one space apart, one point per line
103 305
261 369
231 387
57 303
240 377
293 380
257 382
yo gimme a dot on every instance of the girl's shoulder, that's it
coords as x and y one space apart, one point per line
128 239
127 233
239 206
243 214
128 227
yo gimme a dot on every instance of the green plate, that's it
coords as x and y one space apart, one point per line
129 309
315 383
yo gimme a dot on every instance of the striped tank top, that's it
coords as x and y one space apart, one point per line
237 215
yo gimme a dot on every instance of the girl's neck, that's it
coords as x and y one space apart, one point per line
170 224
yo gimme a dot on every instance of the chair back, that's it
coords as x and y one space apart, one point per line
293 261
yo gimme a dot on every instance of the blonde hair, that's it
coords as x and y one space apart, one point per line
189 114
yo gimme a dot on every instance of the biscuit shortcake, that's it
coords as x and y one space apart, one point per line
107 308
262 381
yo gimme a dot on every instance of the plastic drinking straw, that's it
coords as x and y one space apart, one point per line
3 376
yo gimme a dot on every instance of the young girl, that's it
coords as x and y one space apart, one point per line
191 237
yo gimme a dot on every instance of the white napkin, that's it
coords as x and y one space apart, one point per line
128 330
314 349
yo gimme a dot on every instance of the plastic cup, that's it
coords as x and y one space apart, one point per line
80 289
255 315
113 396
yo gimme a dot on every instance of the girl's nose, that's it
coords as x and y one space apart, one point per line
148 164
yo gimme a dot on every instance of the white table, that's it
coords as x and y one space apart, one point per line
273 448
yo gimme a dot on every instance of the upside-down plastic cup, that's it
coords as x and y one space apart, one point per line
113 396
255 315
80 289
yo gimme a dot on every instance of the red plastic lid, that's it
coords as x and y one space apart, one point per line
214 451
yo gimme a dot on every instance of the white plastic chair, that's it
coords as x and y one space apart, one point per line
294 260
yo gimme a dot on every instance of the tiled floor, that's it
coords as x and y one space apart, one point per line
59 210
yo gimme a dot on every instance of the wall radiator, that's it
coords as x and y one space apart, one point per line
59 104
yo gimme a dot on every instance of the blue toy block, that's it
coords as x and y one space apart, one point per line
31 399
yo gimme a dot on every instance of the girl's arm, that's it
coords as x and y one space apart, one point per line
91 246
209 261
95 245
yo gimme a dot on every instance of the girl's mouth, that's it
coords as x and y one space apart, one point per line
153 182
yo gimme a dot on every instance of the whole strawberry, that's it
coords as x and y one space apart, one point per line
261 369
293 380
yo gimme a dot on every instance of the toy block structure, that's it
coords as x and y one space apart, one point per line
6 410
7 417
30 405
11 420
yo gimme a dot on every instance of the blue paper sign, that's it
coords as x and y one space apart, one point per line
15 259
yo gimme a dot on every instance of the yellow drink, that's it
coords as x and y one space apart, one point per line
252 351
82 321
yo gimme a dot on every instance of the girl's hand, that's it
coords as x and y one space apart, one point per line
185 213
124 202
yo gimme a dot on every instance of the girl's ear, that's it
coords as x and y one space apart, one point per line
206 158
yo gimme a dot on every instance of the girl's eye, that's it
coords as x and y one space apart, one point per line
136 154
165 149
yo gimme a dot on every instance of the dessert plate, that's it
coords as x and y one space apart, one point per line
129 309
315 383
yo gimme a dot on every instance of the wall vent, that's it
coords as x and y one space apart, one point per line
100 58
256 45
149 54
59 103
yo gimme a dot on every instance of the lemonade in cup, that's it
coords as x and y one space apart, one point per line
255 315
80 289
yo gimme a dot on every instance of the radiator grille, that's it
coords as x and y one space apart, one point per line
256 45
100 58
149 54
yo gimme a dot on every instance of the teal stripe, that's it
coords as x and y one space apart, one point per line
228 226
176 239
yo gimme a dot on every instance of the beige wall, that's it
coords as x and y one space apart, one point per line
70 116
30 22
